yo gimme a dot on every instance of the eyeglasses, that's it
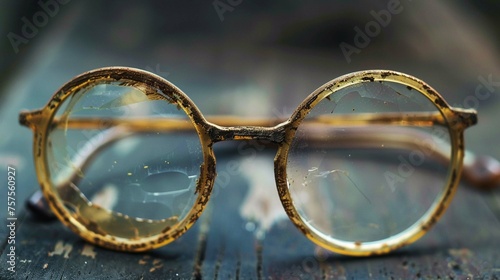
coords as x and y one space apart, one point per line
366 164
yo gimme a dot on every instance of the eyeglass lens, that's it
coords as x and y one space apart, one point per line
144 174
364 182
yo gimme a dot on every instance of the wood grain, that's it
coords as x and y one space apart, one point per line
463 245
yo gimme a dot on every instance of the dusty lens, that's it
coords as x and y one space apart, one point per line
119 156
368 162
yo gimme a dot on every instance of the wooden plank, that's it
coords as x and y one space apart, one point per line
465 243
50 251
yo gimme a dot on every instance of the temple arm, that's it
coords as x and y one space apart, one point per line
358 132
165 124
480 171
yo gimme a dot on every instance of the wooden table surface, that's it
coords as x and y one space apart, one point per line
224 243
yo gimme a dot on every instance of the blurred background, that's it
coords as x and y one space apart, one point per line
251 58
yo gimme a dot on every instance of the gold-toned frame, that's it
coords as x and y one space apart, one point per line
40 120
457 120
280 132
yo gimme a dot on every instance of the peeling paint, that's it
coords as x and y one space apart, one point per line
88 251
261 204
155 267
61 248
155 264
144 260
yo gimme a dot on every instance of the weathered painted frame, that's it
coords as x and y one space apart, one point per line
233 128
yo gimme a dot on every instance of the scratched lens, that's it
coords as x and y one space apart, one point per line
119 156
368 162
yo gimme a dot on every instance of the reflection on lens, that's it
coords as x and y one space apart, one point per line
107 166
361 168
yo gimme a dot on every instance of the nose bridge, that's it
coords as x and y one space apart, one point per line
274 134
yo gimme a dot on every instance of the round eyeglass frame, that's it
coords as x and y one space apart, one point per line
282 134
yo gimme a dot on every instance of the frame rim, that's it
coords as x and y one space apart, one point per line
40 120
456 119
432 214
